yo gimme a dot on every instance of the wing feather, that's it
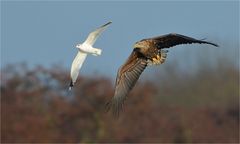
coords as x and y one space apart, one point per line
77 64
172 39
92 37
127 76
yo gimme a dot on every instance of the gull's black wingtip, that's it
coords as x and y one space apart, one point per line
107 24
71 85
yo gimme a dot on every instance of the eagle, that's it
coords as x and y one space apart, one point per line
83 49
150 51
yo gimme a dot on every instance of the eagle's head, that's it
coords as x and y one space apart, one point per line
141 44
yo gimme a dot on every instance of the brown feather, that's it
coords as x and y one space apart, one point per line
170 40
127 77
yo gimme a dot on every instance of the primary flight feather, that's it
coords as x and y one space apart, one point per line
146 52
83 49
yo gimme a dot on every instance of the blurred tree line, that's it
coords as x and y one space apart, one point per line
36 106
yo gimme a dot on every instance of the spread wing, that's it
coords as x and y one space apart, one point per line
76 65
127 77
92 37
170 40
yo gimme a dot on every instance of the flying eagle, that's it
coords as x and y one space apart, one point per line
84 49
146 52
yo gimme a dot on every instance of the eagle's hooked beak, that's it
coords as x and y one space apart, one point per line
136 45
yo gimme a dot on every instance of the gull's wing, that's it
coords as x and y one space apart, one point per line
92 37
127 77
76 65
173 39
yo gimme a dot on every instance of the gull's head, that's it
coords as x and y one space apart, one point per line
78 45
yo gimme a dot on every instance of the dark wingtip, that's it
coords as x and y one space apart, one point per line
71 85
107 24
213 44
110 106
203 40
107 107
216 45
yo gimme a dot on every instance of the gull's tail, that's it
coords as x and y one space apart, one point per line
97 51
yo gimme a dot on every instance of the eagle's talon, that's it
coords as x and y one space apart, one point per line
154 59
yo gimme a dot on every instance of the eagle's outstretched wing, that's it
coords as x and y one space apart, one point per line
127 77
92 37
173 39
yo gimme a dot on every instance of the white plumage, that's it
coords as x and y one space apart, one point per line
84 49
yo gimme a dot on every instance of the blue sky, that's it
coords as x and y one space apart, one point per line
45 33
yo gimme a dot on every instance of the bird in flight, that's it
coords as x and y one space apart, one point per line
84 49
146 52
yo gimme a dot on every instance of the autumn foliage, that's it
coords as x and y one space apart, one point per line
36 106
